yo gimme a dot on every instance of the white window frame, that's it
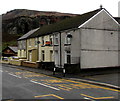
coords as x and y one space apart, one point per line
29 42
36 42
67 40
56 39
42 41
51 39
43 54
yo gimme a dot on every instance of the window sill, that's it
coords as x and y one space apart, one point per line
67 44
56 45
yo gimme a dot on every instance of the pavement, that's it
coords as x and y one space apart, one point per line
108 77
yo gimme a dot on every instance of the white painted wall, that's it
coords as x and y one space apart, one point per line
99 42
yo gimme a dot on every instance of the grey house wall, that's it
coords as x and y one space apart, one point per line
99 42
74 48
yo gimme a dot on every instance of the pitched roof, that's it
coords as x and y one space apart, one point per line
25 36
117 19
15 49
69 23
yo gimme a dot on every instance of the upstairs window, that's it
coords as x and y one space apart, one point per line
42 40
51 39
68 39
29 42
35 42
20 44
56 39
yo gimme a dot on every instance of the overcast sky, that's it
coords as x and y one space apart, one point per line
65 6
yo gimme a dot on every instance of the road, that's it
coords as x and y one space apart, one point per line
23 84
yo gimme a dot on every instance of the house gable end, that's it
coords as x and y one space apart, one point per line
102 20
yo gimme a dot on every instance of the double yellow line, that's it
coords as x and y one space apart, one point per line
96 98
49 95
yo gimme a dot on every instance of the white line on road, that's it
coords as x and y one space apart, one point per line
14 75
89 99
1 71
44 85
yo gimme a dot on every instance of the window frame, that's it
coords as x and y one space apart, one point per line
56 39
67 39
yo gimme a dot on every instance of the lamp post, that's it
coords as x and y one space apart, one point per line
38 42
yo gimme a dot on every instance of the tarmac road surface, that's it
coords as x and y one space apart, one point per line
23 84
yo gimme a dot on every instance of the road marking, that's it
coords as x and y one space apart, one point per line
93 85
33 75
44 85
1 71
97 97
14 75
49 95
97 83
54 81
89 99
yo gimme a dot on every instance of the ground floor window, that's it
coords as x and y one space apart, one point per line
43 55
68 57
56 58
30 56
51 55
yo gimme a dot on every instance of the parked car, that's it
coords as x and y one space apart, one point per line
14 57
5 58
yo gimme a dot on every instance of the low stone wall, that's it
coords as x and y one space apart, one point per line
47 65
30 64
15 62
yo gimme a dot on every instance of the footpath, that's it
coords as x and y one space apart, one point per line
108 77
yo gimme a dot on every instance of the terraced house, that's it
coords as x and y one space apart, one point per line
24 48
23 45
45 48
86 41
37 50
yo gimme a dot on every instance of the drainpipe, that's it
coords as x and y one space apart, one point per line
26 49
61 57
60 53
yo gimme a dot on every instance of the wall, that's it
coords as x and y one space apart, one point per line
15 62
33 48
74 48
46 49
22 49
99 42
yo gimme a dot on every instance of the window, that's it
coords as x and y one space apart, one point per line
68 38
56 39
43 55
51 39
20 44
42 40
51 55
30 56
24 44
56 58
29 43
35 42
68 53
